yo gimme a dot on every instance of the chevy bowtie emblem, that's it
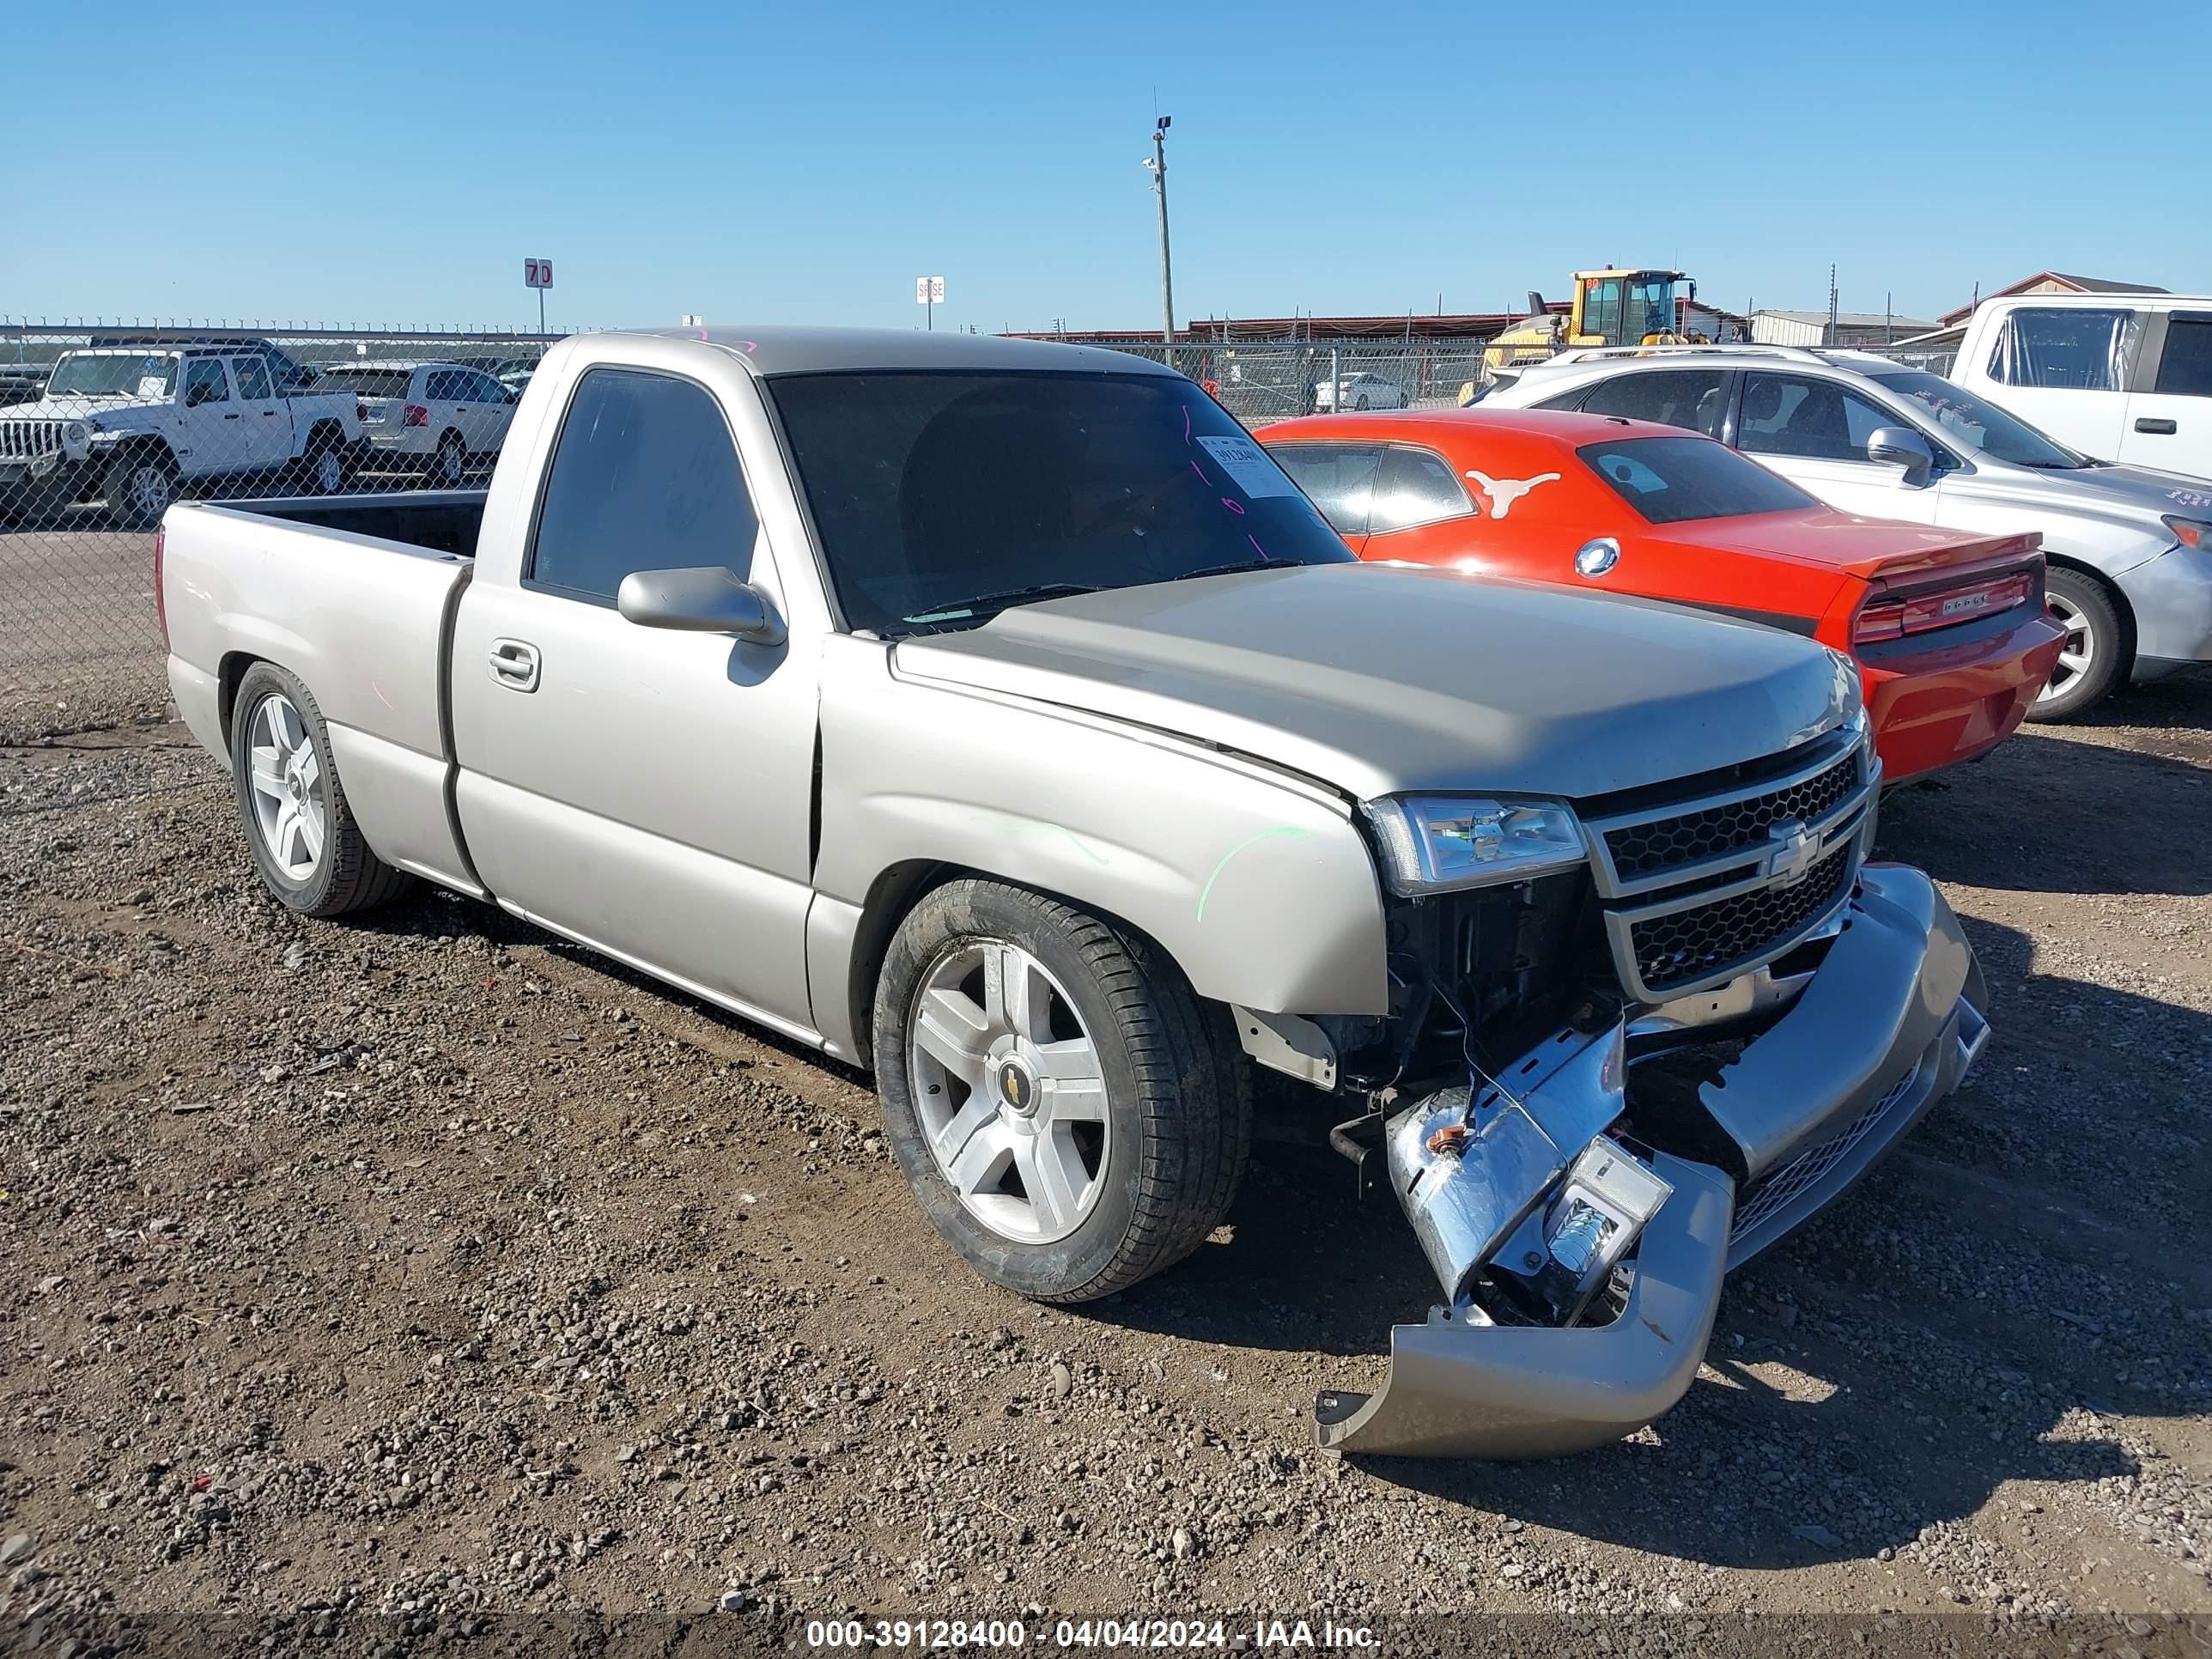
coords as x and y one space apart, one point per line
1014 1086
1791 851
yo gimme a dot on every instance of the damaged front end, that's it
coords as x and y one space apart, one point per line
1581 1203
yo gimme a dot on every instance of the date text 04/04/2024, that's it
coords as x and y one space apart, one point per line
896 1633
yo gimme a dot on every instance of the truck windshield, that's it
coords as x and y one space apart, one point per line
943 497
1970 423
1676 480
113 375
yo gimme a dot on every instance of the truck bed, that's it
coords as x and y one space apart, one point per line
356 596
434 521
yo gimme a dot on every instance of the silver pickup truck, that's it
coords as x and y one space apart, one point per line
998 716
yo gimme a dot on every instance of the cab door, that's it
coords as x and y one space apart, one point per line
644 791
2169 419
265 425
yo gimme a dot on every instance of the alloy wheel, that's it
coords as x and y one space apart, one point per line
291 809
2077 652
1010 1091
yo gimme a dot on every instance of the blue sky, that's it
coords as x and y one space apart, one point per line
393 164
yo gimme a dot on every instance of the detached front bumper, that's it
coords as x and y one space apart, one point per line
1887 1025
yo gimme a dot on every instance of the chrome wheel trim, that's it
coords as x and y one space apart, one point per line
2077 652
452 465
1008 1091
291 808
330 472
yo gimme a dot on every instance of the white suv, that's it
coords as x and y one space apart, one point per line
2130 550
439 419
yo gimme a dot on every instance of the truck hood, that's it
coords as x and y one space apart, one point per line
1380 679
73 407
2133 497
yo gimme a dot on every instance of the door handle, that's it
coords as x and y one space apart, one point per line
514 664
268 414
2156 427
232 416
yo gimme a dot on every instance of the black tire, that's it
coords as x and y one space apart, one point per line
2086 608
1178 1097
449 467
326 468
139 485
347 876
1360 402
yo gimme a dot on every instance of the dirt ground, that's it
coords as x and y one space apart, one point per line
429 1267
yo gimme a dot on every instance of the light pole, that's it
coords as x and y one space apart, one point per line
1158 164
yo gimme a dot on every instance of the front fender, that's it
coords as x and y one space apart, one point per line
1256 882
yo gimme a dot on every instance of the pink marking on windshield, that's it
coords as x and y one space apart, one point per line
1233 506
1256 548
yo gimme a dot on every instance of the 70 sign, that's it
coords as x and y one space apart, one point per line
537 273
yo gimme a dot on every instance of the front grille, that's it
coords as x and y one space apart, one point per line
1645 849
1683 947
26 440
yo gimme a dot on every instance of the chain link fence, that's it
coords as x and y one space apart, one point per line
101 427
1277 380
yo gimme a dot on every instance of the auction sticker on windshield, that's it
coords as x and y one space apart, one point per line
1248 467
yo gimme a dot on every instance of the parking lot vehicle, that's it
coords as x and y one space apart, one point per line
2131 572
1360 390
437 418
1947 627
22 383
1610 307
998 716
2126 378
138 424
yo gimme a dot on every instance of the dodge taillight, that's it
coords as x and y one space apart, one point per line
1885 618
415 416
161 598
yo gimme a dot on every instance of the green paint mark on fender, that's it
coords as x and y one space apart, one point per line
1205 892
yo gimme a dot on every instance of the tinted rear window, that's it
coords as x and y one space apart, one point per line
1675 480
369 382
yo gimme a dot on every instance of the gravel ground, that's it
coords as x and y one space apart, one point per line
431 1268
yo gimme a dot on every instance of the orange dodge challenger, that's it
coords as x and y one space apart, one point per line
1948 628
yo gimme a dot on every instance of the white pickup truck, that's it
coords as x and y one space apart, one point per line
138 425
2123 377
999 716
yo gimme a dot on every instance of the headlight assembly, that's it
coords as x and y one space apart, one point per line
1433 843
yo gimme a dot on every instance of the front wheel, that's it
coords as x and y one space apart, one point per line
140 485
2095 652
1071 1116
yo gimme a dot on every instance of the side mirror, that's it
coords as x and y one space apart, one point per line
706 598
1900 446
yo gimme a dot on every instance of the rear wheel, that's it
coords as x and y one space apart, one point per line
308 849
1360 402
2095 653
449 467
1071 1116
326 469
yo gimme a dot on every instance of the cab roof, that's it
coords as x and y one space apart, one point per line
783 349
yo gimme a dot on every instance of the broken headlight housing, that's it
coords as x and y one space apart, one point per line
1436 843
